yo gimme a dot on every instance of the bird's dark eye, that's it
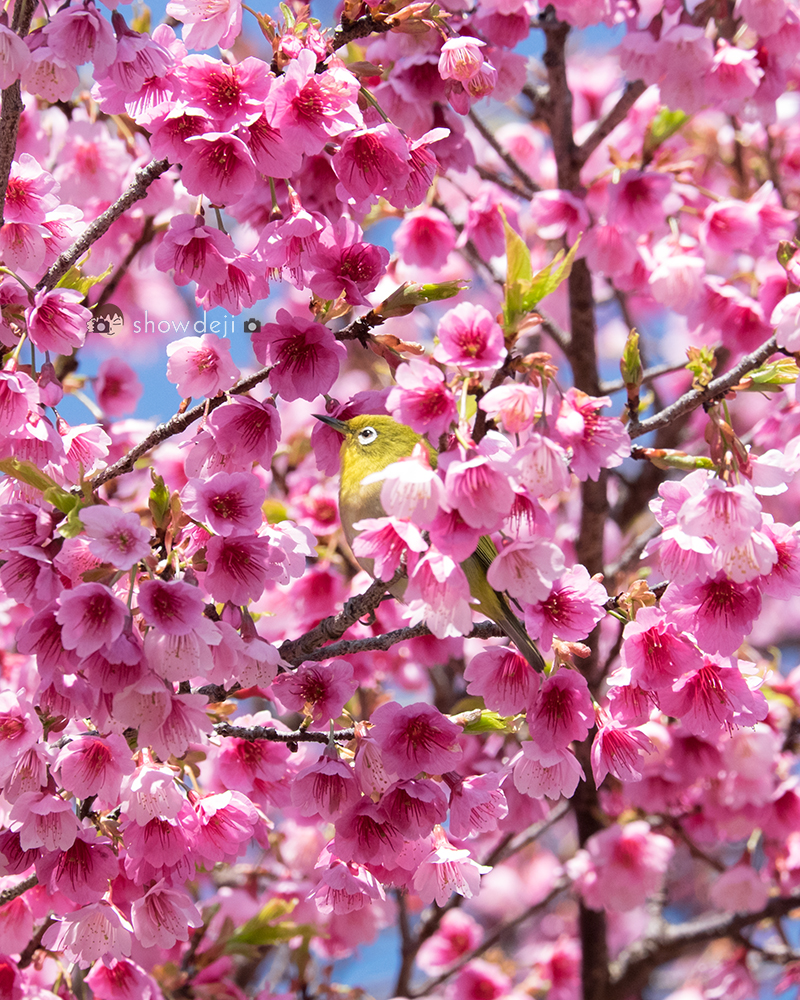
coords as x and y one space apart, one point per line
367 435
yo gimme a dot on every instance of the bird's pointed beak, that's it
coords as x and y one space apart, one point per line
337 425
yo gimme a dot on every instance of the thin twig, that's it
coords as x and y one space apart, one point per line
530 184
17 890
631 971
334 627
696 397
609 121
492 939
253 733
137 190
174 426
347 647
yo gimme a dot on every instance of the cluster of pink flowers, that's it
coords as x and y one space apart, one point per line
144 616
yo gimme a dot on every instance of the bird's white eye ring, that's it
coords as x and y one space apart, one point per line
367 435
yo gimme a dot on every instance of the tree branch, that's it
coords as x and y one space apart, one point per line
492 939
17 890
11 105
482 630
609 122
278 736
174 426
334 627
137 190
631 971
349 31
696 397
531 187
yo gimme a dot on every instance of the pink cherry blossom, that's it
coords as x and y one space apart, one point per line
163 916
550 773
96 931
82 871
421 399
43 820
477 805
364 836
480 980
621 866
542 466
14 56
526 569
207 24
57 321
115 537
470 338
438 593
446 870
515 405
571 610
90 618
238 567
597 442
460 58
414 807
201 366
20 728
343 264
503 678
346 887
478 487
174 607
718 612
121 980
326 788
714 697
415 738
559 213
320 689
457 935
616 750
655 651
411 489
786 320
372 162
92 764
229 503
226 824
117 387
425 238
386 541
563 710
305 356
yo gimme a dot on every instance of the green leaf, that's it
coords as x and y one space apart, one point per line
267 926
26 472
75 278
630 364
665 124
549 278
524 289
158 502
773 374
72 526
486 721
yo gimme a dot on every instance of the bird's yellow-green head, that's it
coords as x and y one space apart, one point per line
371 442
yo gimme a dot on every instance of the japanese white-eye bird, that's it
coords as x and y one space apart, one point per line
371 442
